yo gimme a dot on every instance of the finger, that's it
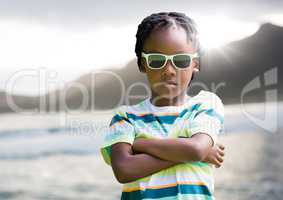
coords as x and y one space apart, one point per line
220 159
221 146
221 153
217 163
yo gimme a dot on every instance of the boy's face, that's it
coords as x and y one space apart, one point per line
168 82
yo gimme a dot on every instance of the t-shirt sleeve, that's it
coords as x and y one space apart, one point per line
208 117
120 130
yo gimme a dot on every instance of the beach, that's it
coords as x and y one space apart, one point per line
252 167
38 161
252 170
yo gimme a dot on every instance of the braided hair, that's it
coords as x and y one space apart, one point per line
164 19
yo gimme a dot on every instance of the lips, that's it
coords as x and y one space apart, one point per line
171 82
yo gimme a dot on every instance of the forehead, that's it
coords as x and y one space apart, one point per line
168 40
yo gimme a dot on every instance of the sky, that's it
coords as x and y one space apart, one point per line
66 38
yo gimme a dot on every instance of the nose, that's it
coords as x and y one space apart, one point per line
169 69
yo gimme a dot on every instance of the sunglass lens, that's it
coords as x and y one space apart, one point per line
156 61
182 61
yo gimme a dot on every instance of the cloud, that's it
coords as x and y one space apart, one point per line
76 13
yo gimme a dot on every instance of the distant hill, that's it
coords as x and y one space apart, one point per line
239 62
233 65
23 102
104 90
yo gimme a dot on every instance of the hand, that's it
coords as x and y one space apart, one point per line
215 155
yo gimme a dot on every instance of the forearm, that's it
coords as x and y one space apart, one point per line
176 150
130 167
142 165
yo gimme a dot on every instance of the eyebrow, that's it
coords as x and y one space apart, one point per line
179 52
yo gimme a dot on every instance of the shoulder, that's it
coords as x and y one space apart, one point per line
123 110
209 100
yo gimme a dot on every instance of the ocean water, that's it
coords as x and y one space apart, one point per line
55 163
64 163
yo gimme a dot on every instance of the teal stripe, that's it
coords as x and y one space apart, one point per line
118 118
187 197
148 118
166 192
211 112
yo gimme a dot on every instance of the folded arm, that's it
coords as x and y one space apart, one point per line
128 166
195 148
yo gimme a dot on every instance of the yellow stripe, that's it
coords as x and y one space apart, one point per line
162 186
118 122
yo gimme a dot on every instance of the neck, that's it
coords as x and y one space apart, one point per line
164 101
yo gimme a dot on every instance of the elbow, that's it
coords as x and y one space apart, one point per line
123 178
122 174
124 181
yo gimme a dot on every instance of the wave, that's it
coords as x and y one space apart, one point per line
36 143
34 156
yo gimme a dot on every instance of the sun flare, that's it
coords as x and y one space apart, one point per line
218 31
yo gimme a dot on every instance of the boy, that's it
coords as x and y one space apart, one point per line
164 147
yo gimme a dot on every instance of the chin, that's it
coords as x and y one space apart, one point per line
167 95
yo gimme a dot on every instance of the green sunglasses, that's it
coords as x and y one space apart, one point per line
180 61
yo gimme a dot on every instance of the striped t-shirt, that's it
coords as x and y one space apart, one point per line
191 180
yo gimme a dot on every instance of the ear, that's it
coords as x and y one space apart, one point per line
143 65
196 65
